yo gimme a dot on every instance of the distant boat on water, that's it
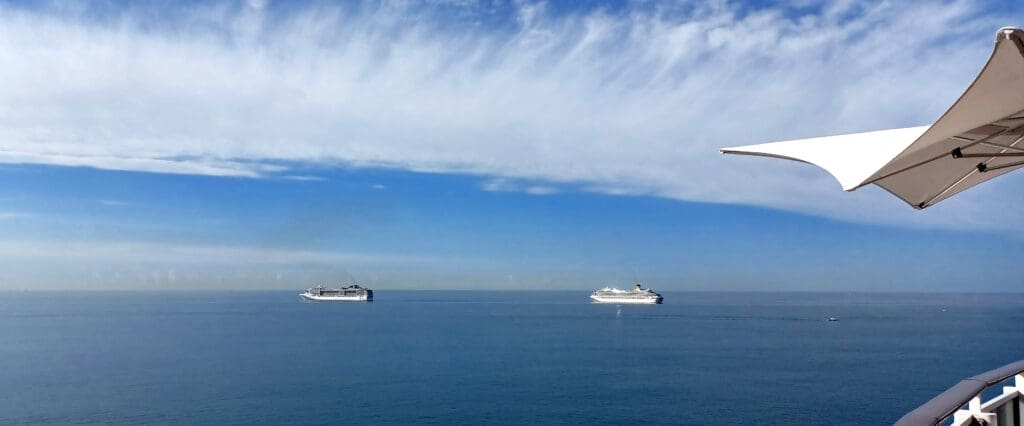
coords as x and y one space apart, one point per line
637 295
352 293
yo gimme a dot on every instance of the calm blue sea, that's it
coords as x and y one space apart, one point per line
448 357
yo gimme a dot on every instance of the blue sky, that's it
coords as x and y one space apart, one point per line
270 145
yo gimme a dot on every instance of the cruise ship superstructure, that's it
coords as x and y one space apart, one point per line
352 293
637 295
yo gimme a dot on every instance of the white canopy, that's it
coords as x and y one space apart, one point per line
980 137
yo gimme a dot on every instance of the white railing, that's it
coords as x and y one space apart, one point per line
963 402
1003 410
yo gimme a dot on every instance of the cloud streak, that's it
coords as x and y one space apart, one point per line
183 254
115 203
97 265
508 185
632 102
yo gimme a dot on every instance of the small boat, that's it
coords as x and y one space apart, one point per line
637 295
833 319
352 293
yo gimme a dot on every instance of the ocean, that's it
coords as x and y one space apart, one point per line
491 357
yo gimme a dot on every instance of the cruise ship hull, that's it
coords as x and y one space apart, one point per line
650 301
358 298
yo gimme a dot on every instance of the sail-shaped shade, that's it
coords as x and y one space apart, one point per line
980 137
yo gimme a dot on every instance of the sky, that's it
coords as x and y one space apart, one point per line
255 145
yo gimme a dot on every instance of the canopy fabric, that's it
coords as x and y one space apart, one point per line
980 137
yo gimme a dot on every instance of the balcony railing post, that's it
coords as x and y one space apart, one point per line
1018 385
973 411
1018 382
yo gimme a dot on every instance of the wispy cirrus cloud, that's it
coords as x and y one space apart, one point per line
304 178
186 254
13 215
193 166
509 185
115 203
632 101
540 190
104 265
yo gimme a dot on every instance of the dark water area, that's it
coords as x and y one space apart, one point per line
448 357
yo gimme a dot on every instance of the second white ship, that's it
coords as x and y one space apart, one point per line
636 295
352 293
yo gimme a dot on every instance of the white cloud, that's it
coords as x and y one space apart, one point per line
98 265
157 165
115 203
540 190
498 185
12 215
304 178
257 4
508 185
622 103
184 254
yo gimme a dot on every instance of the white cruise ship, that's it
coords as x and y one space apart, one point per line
636 295
352 293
